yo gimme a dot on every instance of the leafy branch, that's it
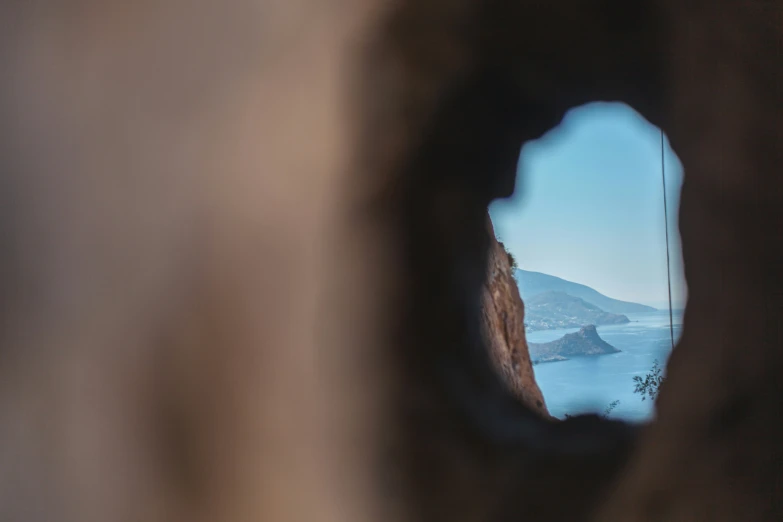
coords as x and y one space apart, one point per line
649 385
612 406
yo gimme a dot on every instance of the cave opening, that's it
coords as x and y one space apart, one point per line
587 233
471 111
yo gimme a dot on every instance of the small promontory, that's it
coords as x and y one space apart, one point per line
585 342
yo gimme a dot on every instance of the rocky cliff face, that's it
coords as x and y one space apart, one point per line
502 322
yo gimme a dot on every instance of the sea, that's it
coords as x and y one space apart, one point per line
590 384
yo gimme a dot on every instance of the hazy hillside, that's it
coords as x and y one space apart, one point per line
533 283
555 310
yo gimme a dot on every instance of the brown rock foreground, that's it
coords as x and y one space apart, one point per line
503 327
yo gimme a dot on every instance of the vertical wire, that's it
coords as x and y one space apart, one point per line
666 221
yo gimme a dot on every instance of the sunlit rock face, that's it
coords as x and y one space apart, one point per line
502 321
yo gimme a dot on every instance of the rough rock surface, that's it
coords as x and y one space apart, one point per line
502 322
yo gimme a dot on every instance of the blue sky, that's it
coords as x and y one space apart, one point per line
588 206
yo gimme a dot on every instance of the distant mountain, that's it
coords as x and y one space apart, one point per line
584 342
533 283
553 310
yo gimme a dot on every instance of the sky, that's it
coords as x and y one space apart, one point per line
588 206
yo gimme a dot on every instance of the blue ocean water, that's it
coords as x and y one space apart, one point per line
589 384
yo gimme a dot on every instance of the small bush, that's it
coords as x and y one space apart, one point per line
511 259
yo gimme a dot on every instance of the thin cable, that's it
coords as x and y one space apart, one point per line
666 220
